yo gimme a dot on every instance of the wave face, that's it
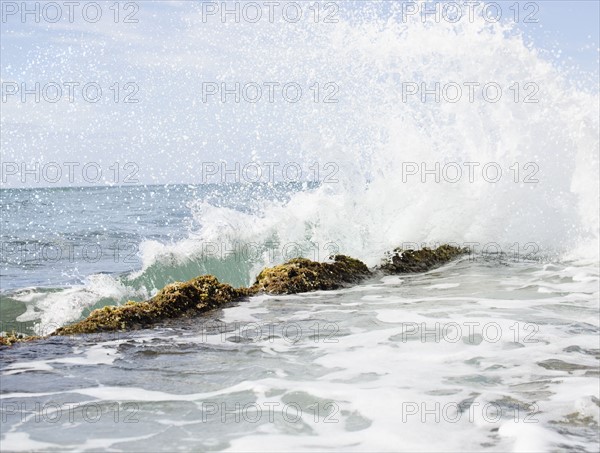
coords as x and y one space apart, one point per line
380 138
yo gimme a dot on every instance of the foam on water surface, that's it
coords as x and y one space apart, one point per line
383 376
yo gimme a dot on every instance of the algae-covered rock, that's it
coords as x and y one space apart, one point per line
404 261
175 300
11 338
300 275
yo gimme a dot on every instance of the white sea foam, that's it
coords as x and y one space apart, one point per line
536 363
372 209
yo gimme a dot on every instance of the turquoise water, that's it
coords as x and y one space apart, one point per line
55 236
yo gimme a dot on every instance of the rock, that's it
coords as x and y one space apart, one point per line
405 261
13 337
175 300
301 275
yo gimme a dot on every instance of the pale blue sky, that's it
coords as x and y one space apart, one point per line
569 26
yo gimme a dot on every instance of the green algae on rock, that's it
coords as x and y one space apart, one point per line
301 275
405 261
173 301
11 338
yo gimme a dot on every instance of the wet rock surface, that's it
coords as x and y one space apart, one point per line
301 275
13 337
178 299
405 261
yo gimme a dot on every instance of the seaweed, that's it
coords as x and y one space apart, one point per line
180 299
301 275
13 337
406 261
